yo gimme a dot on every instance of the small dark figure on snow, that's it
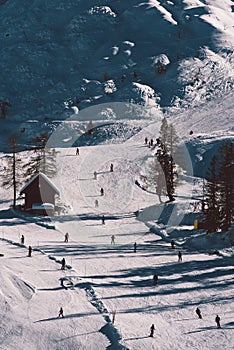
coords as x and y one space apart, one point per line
217 320
112 239
77 151
135 247
63 262
103 220
96 203
179 256
66 237
111 168
61 312
102 192
191 132
198 312
146 140
155 280
172 244
152 328
30 251
95 175
151 142
22 239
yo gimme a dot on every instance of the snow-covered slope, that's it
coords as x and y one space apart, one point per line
56 54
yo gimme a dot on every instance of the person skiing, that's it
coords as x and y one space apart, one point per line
102 192
135 247
179 256
172 244
111 168
22 239
152 328
151 142
77 151
61 312
63 262
112 239
96 203
217 320
95 175
103 220
30 251
66 237
146 140
155 280
198 312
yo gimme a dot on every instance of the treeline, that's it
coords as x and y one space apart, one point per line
218 202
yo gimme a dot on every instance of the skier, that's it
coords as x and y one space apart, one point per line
217 320
96 203
111 168
198 312
112 239
152 328
66 237
95 175
135 247
77 151
102 192
146 140
179 256
61 312
30 251
172 244
151 142
155 280
63 264
22 239
103 220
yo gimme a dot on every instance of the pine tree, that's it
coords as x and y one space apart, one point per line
168 136
226 180
166 161
43 158
211 214
11 176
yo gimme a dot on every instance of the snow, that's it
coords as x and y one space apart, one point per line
53 64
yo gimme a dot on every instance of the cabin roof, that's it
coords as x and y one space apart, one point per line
50 183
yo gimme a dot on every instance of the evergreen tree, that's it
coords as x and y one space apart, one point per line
43 158
211 214
226 180
168 136
11 175
168 167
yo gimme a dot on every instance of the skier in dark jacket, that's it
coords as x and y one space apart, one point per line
172 244
198 312
152 328
135 247
63 264
61 312
30 251
22 239
102 192
179 256
111 168
155 280
217 320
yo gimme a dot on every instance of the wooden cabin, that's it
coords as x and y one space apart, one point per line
39 195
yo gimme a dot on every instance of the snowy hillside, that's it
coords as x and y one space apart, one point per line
57 54
101 75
